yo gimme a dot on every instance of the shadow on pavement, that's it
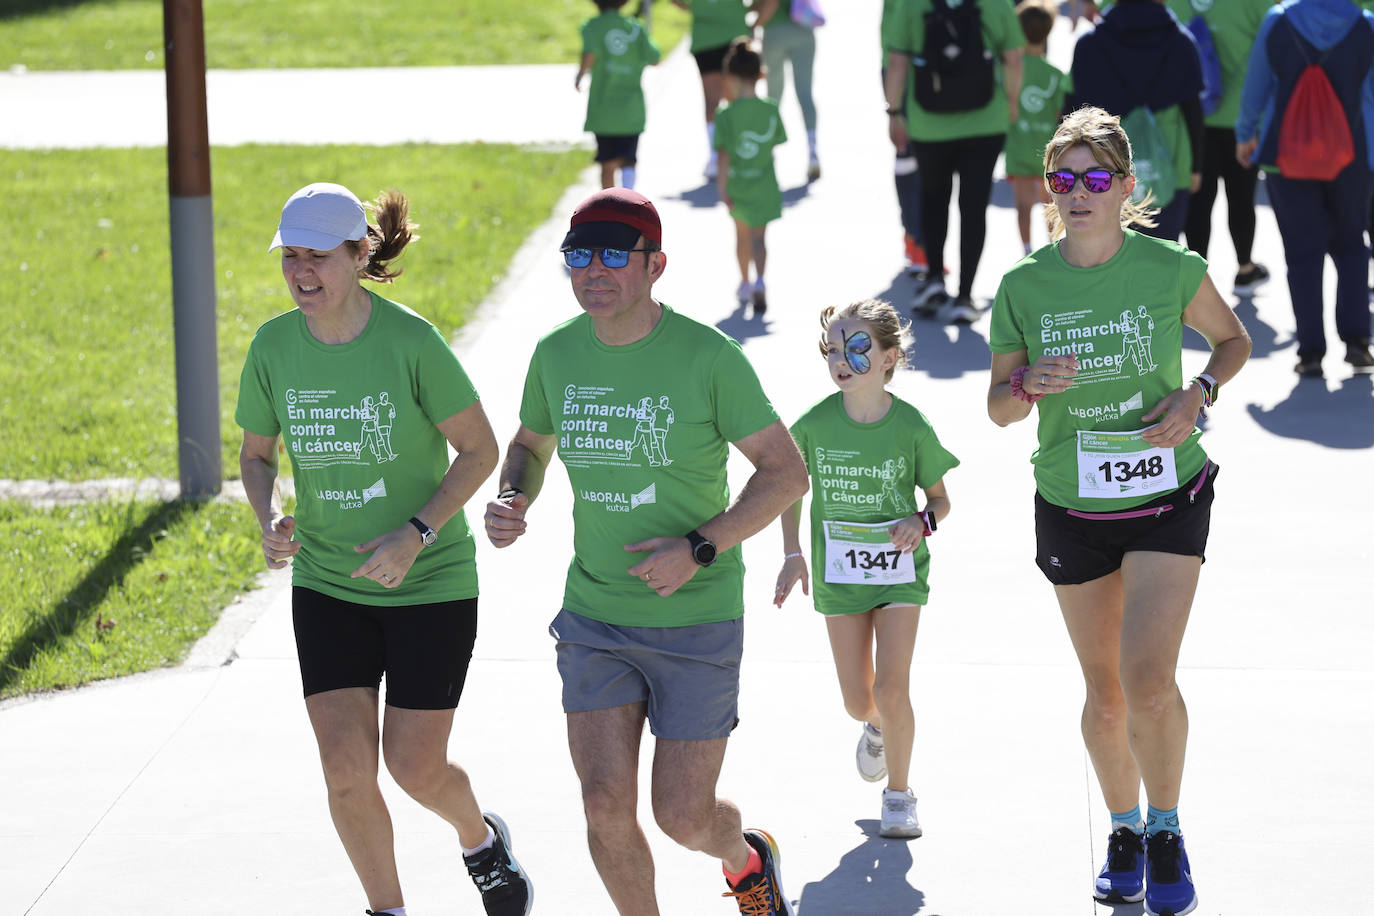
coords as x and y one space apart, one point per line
740 326
870 878
1264 339
933 352
1343 418
702 196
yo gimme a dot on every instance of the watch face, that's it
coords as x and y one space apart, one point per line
430 537
705 553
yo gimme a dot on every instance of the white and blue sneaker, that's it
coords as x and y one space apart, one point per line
506 889
1122 879
869 756
1169 878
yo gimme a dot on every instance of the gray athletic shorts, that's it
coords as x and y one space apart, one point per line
688 676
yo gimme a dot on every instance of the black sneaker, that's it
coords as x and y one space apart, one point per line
506 889
1122 879
1247 281
1169 879
761 894
928 302
1309 366
1358 355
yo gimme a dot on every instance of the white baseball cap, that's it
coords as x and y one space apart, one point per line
320 216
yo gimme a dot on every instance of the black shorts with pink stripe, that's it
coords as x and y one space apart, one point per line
1073 547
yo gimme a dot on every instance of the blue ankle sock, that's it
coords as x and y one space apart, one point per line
1161 819
1131 819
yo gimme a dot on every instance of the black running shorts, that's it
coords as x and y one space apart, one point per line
610 147
424 649
710 60
1074 547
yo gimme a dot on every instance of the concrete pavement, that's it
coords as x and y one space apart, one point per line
196 790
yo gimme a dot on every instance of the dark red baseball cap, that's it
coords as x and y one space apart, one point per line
613 218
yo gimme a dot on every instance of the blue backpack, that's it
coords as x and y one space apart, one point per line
1211 65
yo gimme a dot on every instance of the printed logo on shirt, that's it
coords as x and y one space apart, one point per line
750 141
1113 411
598 427
353 499
322 433
1203 6
1107 351
1033 98
858 490
618 41
620 502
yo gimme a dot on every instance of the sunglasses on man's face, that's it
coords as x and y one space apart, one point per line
1097 181
610 257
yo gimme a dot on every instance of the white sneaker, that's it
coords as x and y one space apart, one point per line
870 757
899 815
744 292
712 167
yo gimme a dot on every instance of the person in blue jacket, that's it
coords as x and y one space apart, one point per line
1138 54
1316 218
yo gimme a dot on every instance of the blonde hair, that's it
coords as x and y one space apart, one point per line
890 330
386 240
1101 133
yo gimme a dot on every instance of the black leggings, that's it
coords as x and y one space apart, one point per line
974 158
1219 161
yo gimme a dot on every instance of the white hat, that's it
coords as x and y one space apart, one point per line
320 216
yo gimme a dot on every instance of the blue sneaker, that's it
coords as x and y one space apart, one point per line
1122 879
1169 890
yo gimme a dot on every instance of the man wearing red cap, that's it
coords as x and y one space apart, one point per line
651 626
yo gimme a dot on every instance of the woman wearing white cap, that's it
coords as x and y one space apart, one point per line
384 579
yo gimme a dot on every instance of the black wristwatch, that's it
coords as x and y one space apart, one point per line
928 517
703 551
427 534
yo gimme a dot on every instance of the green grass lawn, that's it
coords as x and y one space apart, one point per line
127 34
87 371
105 589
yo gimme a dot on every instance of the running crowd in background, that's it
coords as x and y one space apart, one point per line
1209 93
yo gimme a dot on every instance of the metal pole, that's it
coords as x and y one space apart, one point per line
193 250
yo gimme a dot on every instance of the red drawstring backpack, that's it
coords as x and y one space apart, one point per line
1314 137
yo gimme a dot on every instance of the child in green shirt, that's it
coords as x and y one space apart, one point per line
615 49
868 452
1043 88
747 129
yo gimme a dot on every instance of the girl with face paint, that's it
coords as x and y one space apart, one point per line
868 451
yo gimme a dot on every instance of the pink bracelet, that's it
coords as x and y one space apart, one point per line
1019 392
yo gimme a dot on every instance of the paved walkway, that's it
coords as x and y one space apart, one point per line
196 790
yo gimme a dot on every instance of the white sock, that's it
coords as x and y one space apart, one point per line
485 844
811 141
394 911
627 177
711 136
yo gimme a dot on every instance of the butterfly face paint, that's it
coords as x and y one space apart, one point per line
856 348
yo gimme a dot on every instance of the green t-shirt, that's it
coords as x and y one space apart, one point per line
1001 32
1234 25
1042 98
748 129
358 420
623 48
716 23
644 432
1124 320
866 473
